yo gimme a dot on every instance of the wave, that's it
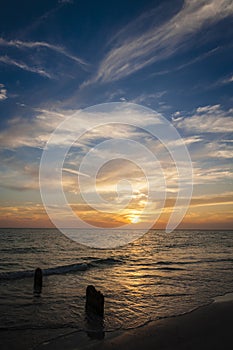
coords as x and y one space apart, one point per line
218 260
166 268
59 270
190 262
23 250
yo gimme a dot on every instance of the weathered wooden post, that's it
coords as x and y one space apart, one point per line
94 301
95 313
38 278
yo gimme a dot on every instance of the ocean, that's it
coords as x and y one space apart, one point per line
158 275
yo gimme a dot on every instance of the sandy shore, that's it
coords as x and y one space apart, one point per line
209 327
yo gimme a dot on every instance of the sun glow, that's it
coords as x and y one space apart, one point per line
135 219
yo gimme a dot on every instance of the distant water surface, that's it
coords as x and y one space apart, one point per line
156 276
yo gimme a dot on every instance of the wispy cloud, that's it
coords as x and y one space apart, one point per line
227 80
74 172
207 119
225 198
36 132
220 150
211 200
132 52
26 214
17 173
9 61
211 176
189 63
146 98
3 92
21 132
65 1
37 44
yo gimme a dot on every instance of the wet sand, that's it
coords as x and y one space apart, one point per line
209 327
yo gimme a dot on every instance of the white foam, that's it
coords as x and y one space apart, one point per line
224 298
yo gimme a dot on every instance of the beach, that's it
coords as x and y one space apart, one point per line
208 327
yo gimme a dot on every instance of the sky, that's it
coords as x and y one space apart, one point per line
59 57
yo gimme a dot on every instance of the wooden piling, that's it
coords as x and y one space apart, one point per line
94 301
38 280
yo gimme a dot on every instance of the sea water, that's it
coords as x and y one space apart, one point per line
156 276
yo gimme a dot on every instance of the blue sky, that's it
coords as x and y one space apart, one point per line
174 56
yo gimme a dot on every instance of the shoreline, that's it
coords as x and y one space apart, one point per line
206 327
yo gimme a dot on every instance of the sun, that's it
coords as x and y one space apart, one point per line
135 219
